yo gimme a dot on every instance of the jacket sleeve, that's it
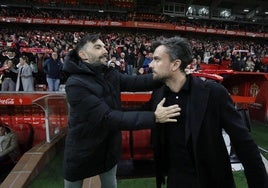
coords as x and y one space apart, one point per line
136 83
13 143
88 107
245 147
96 111
129 120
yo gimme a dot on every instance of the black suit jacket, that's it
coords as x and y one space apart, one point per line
211 109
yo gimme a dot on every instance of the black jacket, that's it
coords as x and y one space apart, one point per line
210 109
93 142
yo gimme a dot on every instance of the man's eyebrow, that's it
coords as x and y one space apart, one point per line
97 45
156 57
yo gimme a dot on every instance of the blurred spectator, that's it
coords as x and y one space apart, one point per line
25 75
258 64
131 61
141 58
11 54
250 65
217 57
192 67
9 76
147 60
53 69
114 63
33 64
123 63
211 59
237 63
9 150
206 57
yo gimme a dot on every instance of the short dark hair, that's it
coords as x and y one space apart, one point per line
177 48
25 58
88 38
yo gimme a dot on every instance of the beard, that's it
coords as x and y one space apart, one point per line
102 60
160 78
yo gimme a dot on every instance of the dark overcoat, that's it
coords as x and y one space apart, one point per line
211 109
95 121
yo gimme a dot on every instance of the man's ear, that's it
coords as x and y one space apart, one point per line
82 54
176 65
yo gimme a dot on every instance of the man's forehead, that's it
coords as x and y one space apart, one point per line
95 44
160 50
98 42
160 47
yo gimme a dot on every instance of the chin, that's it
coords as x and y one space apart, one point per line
155 77
158 78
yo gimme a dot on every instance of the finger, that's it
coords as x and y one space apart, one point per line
173 110
171 107
171 120
168 120
174 115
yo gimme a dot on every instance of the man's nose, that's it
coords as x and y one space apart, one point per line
105 50
151 64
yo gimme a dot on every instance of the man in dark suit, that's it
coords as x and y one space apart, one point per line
191 152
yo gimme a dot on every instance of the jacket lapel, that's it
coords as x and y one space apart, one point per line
196 109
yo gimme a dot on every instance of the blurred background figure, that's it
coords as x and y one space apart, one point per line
192 67
9 150
53 68
123 63
9 76
113 62
25 75
147 60
131 61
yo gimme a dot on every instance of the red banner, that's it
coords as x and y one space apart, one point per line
179 27
189 28
221 31
240 33
211 30
36 50
131 24
201 30
15 100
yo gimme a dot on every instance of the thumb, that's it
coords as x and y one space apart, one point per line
161 103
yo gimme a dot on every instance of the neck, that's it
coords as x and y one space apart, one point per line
176 82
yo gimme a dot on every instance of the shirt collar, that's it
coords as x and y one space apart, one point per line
185 87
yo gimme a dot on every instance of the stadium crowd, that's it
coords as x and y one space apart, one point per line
146 15
129 49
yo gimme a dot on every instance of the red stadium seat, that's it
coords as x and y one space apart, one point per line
39 133
126 145
142 145
25 134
